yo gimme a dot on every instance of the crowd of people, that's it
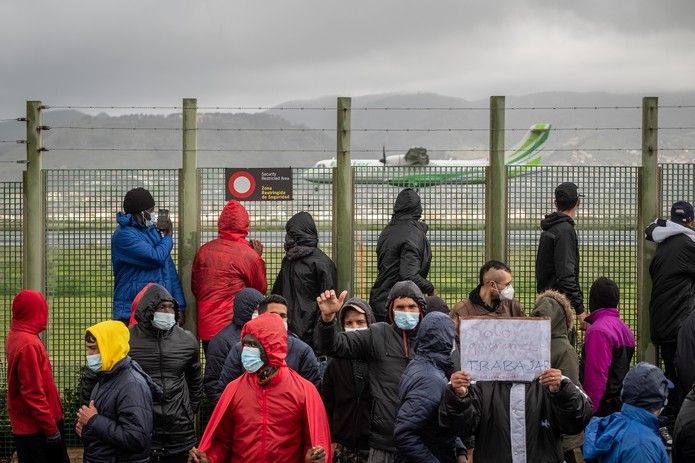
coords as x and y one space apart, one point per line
308 373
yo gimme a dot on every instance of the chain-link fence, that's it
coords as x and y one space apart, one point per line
81 205
605 224
80 212
10 282
454 210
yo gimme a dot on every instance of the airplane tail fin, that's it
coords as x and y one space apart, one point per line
528 151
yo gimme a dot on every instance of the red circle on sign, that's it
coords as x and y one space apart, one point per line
241 184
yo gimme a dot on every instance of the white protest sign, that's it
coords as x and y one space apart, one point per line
505 349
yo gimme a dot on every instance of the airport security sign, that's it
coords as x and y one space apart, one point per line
258 184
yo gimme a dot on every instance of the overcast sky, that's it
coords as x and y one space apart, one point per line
263 52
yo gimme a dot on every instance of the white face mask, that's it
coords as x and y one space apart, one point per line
348 330
152 221
285 323
254 314
507 294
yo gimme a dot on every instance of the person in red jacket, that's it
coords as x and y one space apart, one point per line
222 268
270 413
33 403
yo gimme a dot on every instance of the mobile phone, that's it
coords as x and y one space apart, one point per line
162 219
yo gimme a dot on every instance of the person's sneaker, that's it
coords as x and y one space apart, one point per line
666 437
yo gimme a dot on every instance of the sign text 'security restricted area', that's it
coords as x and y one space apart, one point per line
259 184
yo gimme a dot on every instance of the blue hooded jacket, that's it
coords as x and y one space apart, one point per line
140 255
631 434
245 302
418 435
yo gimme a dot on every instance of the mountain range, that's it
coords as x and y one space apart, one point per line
300 137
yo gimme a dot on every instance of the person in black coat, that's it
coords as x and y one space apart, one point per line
685 353
557 260
245 302
117 424
673 289
403 252
345 391
387 349
684 431
170 355
305 272
543 410
300 356
418 435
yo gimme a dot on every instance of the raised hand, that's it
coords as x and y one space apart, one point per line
330 304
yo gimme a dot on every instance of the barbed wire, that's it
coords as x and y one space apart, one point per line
365 130
369 108
313 150
20 142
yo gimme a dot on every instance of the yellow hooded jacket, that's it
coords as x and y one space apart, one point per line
113 340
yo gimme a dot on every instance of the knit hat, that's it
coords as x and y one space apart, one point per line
645 386
137 200
682 212
604 294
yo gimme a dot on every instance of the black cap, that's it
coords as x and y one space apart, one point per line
137 200
645 386
604 294
682 212
436 304
566 194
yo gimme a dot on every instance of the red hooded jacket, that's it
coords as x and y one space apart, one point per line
33 403
278 421
222 268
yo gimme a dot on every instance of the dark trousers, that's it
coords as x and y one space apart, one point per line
176 458
32 448
675 398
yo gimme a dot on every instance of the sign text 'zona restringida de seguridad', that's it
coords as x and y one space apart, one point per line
505 349
256 184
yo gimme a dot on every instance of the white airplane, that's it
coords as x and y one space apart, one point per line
415 169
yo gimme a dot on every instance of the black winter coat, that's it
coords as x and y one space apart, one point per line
418 436
245 302
684 431
557 260
403 252
300 358
122 430
484 412
345 393
673 284
387 350
305 272
171 358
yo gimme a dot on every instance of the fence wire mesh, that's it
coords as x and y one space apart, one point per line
80 218
677 183
453 202
605 224
10 283
268 218
81 204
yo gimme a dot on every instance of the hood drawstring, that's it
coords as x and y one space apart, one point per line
405 345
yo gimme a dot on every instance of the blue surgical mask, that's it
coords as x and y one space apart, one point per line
406 320
94 362
163 321
251 359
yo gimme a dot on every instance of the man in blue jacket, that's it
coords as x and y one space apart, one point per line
632 434
141 254
419 436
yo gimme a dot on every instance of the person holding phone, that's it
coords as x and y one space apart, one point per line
141 253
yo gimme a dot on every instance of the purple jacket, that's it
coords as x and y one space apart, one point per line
608 349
